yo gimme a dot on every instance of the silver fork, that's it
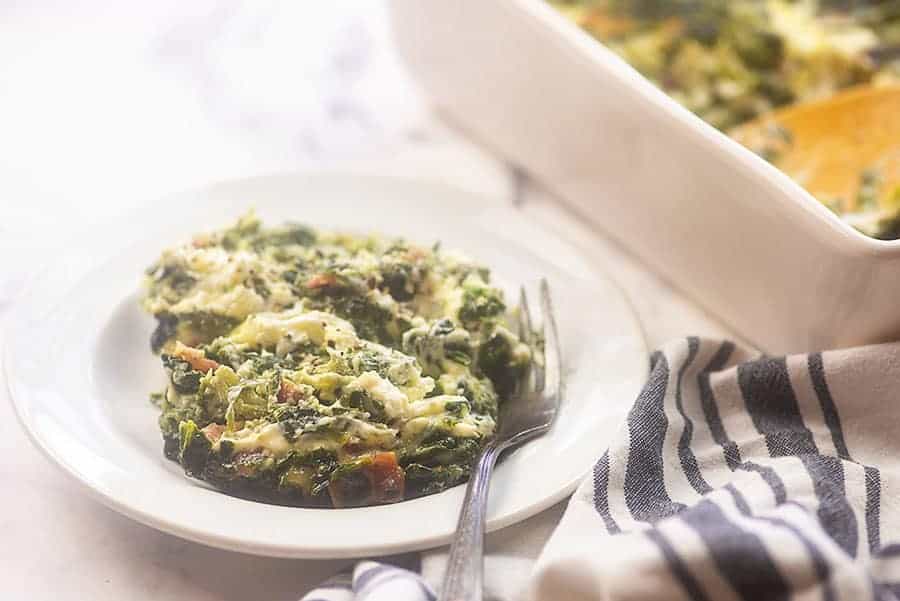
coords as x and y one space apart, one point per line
529 413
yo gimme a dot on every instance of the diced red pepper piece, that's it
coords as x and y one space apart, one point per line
388 478
321 280
288 392
377 480
213 431
195 357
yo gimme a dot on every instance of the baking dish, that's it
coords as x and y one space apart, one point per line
734 233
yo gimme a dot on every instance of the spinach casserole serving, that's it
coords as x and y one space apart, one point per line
322 369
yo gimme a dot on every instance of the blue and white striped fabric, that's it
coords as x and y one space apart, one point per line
371 581
739 478
735 478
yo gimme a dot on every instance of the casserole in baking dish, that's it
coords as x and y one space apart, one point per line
738 235
764 70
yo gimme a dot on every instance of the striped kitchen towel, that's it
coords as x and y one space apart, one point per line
371 581
739 477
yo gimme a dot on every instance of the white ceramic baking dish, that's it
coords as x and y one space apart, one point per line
733 232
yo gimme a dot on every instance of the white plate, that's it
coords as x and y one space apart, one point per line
79 367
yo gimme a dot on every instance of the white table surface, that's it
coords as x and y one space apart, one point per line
109 104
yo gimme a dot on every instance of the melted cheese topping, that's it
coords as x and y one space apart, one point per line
220 277
271 439
432 413
320 328
396 403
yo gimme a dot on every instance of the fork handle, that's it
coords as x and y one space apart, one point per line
463 580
